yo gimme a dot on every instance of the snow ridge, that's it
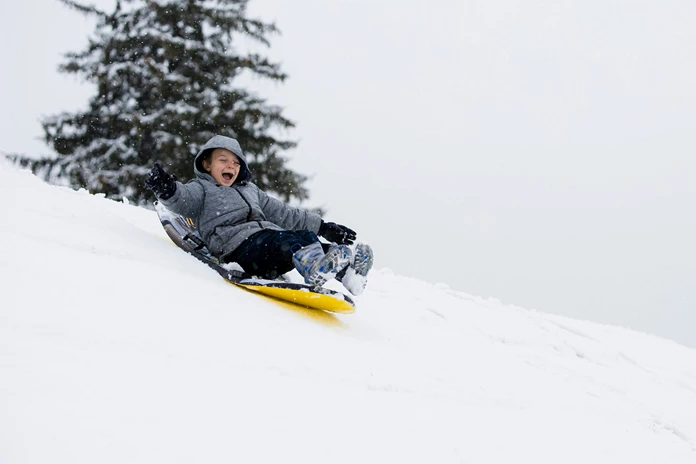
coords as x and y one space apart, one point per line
116 347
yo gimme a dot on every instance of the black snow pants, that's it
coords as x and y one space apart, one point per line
268 253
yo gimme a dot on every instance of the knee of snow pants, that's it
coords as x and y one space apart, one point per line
268 253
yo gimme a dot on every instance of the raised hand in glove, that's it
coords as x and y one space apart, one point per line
337 233
161 182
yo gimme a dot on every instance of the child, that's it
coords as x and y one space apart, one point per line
266 237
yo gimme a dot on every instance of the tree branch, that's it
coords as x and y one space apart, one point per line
86 9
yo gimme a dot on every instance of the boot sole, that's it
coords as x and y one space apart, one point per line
364 258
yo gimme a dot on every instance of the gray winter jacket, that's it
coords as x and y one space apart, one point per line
226 216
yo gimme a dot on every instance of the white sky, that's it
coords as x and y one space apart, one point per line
540 152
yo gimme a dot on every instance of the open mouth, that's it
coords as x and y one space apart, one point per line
227 176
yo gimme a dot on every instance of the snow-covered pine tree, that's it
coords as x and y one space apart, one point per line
165 72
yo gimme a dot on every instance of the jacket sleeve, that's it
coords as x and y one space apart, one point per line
286 216
187 200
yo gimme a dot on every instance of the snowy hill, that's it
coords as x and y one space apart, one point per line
115 347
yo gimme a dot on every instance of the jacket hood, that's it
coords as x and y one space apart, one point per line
228 143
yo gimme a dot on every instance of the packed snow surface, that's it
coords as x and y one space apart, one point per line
116 347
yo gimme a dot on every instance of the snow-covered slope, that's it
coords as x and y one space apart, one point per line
115 347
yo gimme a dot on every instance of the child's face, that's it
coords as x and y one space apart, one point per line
223 165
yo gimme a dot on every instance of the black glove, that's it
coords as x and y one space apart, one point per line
161 182
337 233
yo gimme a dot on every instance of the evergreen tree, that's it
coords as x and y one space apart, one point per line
165 72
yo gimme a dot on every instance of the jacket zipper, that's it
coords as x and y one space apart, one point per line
248 204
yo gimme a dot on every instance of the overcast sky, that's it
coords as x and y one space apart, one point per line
538 152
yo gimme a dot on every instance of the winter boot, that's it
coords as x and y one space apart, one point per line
316 266
355 277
